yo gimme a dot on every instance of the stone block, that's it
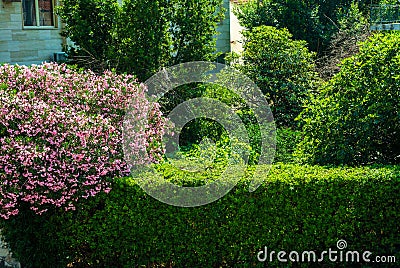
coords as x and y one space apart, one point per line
11 46
44 34
6 34
5 19
16 17
55 45
19 36
24 55
15 25
4 57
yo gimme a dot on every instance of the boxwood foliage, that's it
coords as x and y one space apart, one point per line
298 208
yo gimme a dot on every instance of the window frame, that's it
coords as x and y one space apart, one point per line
37 15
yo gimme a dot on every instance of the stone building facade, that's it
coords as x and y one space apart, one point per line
29 31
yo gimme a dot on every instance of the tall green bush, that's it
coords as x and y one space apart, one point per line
282 68
91 25
356 117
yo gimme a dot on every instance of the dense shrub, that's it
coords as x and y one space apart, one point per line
196 130
91 24
282 68
287 141
297 208
60 134
356 117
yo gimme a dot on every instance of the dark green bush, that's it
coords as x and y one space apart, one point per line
286 142
356 117
297 208
198 129
282 68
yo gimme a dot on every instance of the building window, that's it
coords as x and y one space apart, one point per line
38 12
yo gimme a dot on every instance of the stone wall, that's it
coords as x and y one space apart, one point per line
29 45
3 250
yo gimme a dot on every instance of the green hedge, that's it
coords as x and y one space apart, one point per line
297 208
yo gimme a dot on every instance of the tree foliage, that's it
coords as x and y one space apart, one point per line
356 118
314 21
282 68
90 25
353 28
140 36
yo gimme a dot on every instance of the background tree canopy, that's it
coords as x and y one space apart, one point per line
315 21
140 36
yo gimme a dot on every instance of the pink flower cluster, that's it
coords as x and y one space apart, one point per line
61 134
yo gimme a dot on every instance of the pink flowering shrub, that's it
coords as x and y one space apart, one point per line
61 134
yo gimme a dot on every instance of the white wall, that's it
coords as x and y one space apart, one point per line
236 36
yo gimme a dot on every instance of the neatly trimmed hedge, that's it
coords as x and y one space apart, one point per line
297 208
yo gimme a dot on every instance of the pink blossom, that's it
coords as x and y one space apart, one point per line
64 134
